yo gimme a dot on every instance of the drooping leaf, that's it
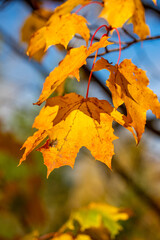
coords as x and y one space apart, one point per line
70 65
71 122
34 22
118 12
97 215
139 25
128 84
58 31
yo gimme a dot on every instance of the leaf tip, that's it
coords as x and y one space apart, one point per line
37 103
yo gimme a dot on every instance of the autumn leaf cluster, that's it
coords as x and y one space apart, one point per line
66 123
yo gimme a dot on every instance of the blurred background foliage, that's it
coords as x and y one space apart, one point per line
30 202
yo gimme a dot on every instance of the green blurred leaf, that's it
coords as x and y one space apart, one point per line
97 215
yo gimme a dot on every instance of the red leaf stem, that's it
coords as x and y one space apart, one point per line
119 39
88 4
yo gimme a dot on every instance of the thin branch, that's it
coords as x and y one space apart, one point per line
128 44
128 33
151 8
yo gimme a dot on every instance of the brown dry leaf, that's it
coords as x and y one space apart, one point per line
128 84
58 31
34 22
117 12
70 123
70 65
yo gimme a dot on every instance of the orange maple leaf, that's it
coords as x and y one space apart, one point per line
71 122
128 84
59 30
70 65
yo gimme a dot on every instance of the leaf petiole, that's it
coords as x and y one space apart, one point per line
87 5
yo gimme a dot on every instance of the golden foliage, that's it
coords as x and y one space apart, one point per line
72 121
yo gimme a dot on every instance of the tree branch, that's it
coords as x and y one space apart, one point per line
127 45
151 8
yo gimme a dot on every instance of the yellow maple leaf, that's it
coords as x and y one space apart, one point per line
57 24
118 12
71 122
34 22
70 65
128 84
58 31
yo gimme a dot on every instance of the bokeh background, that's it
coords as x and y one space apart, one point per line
30 202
